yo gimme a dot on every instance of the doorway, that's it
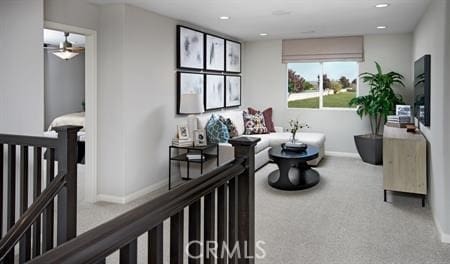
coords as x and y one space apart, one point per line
89 180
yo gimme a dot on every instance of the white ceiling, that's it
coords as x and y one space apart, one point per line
304 18
54 37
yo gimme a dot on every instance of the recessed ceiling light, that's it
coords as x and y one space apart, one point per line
263 34
383 5
224 17
381 27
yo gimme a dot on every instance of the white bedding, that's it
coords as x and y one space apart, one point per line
74 119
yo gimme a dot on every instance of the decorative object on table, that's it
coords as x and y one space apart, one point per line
216 131
190 48
215 53
378 104
215 91
182 142
296 147
200 138
267 113
294 126
411 128
398 121
403 110
232 56
183 132
232 130
254 124
232 91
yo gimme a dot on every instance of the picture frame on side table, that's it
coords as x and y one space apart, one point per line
190 48
214 91
232 91
200 138
403 110
214 53
183 131
189 83
232 56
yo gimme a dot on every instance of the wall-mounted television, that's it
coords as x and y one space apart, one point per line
422 89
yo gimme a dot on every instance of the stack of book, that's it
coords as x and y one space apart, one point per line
398 121
182 142
195 157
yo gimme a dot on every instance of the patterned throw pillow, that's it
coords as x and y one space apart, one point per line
232 130
254 124
216 131
267 117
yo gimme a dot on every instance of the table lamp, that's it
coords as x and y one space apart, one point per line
191 104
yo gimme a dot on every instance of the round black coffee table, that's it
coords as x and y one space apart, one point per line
293 172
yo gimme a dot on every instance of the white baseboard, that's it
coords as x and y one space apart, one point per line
445 238
342 154
132 196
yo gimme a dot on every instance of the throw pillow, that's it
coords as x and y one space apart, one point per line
216 131
254 124
232 130
267 117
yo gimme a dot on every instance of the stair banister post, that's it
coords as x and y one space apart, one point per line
244 147
66 155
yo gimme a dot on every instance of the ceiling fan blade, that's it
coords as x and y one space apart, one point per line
76 49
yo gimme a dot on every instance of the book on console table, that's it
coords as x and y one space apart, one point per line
196 157
182 142
397 124
398 119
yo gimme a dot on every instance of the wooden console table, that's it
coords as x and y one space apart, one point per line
404 162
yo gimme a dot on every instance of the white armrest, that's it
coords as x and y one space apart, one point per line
278 129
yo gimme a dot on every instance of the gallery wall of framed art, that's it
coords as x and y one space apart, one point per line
208 65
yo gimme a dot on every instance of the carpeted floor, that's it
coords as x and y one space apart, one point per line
341 220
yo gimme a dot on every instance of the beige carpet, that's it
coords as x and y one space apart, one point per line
341 220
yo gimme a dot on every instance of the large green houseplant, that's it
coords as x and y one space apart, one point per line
377 105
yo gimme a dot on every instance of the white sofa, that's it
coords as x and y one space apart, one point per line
226 151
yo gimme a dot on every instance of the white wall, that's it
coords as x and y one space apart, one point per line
63 86
78 13
21 67
265 84
432 37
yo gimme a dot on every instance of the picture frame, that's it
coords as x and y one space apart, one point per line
183 131
214 53
403 110
188 83
190 48
214 91
200 138
232 56
232 91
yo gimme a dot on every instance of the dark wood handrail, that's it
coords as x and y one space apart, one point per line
105 239
28 141
24 223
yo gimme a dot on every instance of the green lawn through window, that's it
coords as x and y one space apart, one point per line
334 100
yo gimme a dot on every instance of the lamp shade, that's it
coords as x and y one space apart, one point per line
191 104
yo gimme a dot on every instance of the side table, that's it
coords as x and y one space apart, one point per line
182 157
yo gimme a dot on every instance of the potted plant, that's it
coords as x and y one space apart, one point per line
379 103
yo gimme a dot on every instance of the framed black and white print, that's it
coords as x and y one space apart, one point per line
232 91
189 83
232 56
215 53
215 91
190 48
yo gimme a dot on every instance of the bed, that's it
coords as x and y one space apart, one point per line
72 119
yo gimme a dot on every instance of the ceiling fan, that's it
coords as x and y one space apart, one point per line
65 50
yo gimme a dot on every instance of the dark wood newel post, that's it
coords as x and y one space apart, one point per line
244 147
66 155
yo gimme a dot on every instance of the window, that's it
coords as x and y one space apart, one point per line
322 84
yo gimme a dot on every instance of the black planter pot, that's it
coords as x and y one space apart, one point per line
370 148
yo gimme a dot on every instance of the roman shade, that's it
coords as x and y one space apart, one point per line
323 49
